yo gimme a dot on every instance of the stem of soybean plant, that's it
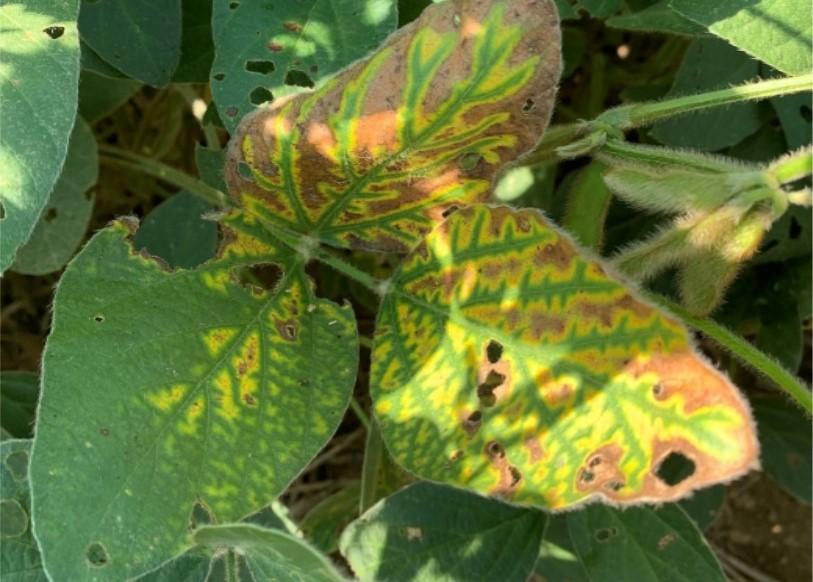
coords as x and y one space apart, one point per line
125 159
373 456
794 166
745 352
642 114
327 257
615 150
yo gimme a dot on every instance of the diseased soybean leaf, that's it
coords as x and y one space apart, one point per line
263 50
374 158
100 96
141 38
787 446
641 544
659 17
435 532
171 390
778 32
19 556
18 402
709 64
38 79
64 220
270 554
507 361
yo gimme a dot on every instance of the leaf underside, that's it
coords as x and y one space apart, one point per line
373 158
507 361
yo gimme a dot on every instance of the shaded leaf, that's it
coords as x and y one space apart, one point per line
65 218
324 523
19 555
558 560
659 17
709 64
508 362
434 532
100 96
794 113
704 506
588 200
141 38
778 32
374 158
600 8
18 402
197 45
179 388
210 164
38 79
641 544
176 232
257 47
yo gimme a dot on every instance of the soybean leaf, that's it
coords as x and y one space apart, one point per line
141 38
197 46
435 532
65 218
710 63
794 113
92 62
176 232
659 17
210 164
507 361
270 554
600 8
704 506
211 394
784 432
19 554
588 200
374 158
324 523
641 544
263 51
778 32
18 402
100 96
557 558
40 48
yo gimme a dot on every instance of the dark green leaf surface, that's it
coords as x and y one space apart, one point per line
168 389
641 544
18 402
777 32
210 164
19 556
558 561
197 47
704 505
794 113
324 523
257 46
141 38
659 17
100 96
711 64
64 220
439 533
39 45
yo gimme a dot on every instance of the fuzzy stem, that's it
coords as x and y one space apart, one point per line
642 114
359 412
119 157
745 352
614 150
794 166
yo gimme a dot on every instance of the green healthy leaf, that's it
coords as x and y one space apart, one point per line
64 220
197 46
794 113
38 79
600 8
566 10
141 38
787 447
709 64
100 96
324 523
375 157
641 544
588 200
181 388
704 506
19 556
270 554
507 361
210 164
659 17
18 402
778 32
434 532
176 232
558 560
92 62
262 50
780 334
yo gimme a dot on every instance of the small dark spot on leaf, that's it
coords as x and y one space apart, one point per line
472 424
104 431
2 211
447 212
516 475
260 66
456 456
485 391
314 69
54 31
529 106
234 5
494 351
274 47
675 468
231 111
495 450
249 400
292 26
289 331
604 534
586 476
594 462
615 485
219 76
97 556
657 389
664 542
259 96
50 215
98 318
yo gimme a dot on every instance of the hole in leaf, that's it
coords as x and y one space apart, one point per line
595 461
244 170
448 211
604 534
98 318
472 424
795 229
469 161
234 5
298 78
17 464
485 391
587 476
219 76
262 67
2 211
529 106
50 215
259 96
495 450
265 276
96 555
806 112
15 519
200 515
314 69
675 468
614 485
232 111
516 475
494 351
54 31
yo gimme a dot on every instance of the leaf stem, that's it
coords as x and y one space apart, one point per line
359 412
794 166
123 158
373 456
745 352
327 257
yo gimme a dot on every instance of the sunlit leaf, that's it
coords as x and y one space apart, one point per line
38 78
375 157
508 361
166 390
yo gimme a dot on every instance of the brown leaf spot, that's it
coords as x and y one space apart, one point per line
274 47
558 254
292 26
664 542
